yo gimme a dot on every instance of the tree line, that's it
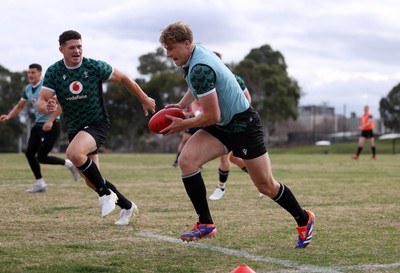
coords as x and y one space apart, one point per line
275 95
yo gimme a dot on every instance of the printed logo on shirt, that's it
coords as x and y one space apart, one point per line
75 87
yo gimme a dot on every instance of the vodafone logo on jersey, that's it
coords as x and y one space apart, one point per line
75 87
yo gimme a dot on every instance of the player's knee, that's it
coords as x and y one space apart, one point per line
181 161
269 187
29 154
186 162
41 157
73 155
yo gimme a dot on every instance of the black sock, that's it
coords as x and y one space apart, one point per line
90 170
196 190
373 151
286 200
359 150
223 175
122 202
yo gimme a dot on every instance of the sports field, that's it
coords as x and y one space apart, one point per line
357 205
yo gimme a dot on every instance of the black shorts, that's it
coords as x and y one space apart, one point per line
42 142
367 133
99 130
243 135
191 131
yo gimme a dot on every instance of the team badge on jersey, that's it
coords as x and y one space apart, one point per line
75 87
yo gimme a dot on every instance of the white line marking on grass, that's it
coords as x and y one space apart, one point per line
24 185
367 266
298 266
17 185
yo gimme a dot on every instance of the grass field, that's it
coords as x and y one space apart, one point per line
356 204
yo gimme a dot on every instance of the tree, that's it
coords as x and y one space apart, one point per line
275 95
126 115
11 86
389 108
129 125
155 62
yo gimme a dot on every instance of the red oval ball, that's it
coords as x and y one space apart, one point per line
158 121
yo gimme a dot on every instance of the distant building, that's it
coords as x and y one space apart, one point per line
319 122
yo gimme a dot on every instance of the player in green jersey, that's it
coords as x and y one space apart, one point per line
73 85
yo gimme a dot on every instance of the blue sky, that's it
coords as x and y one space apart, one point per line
343 53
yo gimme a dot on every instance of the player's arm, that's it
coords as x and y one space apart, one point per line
204 84
368 123
211 113
196 108
46 103
186 100
203 80
147 102
365 125
247 95
49 123
14 112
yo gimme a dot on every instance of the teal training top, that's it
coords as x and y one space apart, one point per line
31 94
79 91
207 72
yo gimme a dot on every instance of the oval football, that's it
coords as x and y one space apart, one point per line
158 121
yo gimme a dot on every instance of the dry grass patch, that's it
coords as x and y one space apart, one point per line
356 204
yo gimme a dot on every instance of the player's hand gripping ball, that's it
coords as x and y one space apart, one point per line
158 121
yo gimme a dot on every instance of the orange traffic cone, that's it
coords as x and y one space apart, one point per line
243 269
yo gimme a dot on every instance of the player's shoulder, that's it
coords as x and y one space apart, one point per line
86 60
89 62
95 64
27 89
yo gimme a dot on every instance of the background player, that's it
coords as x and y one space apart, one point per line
367 132
44 133
192 110
225 160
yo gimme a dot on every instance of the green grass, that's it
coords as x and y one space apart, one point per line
356 204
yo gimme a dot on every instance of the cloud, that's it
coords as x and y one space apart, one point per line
340 52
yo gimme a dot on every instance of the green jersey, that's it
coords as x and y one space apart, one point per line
241 82
79 91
